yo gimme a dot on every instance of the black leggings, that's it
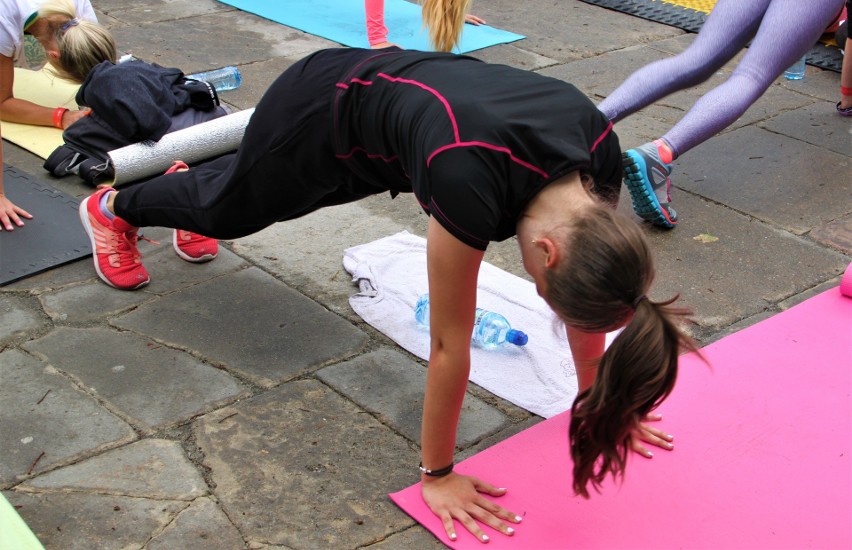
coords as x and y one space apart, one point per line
285 166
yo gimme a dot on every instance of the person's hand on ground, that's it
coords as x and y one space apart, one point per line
10 214
644 433
458 497
474 20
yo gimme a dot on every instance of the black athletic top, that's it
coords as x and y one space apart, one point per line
473 141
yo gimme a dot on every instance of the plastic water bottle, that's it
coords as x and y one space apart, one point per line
797 70
226 78
489 329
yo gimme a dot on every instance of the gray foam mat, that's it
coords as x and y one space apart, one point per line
821 55
52 238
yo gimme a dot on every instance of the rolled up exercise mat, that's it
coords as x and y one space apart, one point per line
200 142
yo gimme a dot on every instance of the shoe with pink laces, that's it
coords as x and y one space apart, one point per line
192 247
117 260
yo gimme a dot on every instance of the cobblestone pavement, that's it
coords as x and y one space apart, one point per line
213 408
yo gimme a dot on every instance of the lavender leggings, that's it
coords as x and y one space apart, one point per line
782 31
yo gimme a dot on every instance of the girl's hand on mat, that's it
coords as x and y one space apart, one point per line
11 214
473 20
648 434
461 497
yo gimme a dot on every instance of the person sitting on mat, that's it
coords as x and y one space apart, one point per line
489 152
377 32
64 33
780 31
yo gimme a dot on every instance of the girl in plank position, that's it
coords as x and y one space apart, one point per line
489 152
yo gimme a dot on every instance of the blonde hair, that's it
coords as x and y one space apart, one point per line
82 44
444 20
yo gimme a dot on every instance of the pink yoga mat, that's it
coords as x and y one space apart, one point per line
763 440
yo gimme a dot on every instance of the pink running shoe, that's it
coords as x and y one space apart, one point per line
192 247
117 260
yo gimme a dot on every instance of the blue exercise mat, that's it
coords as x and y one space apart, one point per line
344 21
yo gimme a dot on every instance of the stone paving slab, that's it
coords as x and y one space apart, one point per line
390 385
169 272
89 302
249 323
45 421
772 177
303 467
147 383
249 39
149 468
201 526
836 234
304 455
18 317
818 126
74 521
727 266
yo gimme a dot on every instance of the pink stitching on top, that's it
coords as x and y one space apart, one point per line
432 91
506 150
601 137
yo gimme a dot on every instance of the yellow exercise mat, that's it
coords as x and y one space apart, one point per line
42 88
14 533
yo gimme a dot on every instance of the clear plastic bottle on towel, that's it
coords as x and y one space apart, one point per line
489 329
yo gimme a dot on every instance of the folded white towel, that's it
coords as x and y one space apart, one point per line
539 377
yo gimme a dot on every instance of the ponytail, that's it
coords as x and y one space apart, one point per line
600 285
445 20
636 373
82 44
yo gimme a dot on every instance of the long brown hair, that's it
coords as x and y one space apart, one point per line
445 20
601 284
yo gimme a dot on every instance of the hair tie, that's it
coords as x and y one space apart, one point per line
638 301
70 23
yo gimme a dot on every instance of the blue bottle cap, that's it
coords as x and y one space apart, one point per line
517 337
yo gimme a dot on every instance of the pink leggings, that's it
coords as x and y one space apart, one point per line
781 32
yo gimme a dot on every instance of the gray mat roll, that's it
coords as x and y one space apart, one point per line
199 142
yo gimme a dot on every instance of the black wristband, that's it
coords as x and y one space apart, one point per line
437 473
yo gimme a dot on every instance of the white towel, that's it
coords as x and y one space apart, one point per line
539 377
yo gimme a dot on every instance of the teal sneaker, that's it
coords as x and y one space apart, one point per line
647 179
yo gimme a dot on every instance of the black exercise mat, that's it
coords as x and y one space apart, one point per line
821 55
52 238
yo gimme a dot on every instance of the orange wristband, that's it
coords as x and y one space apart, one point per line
57 116
845 91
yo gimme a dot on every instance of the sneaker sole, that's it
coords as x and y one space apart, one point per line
83 210
188 258
645 202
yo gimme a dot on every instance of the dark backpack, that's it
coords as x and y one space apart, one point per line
131 102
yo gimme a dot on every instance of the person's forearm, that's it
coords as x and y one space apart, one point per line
377 33
446 381
586 349
25 112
